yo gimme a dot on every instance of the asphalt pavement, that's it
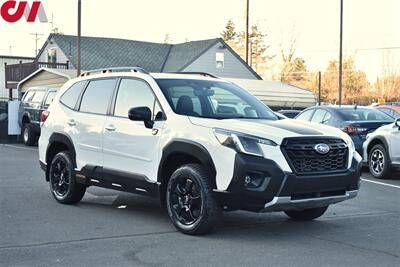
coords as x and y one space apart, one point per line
110 228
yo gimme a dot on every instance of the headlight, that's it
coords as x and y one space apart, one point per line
243 143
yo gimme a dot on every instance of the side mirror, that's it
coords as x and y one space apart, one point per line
141 114
398 123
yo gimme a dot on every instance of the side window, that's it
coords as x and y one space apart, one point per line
134 93
49 99
97 96
319 116
306 115
38 97
29 96
70 97
327 118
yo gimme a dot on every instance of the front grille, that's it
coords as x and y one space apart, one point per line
305 160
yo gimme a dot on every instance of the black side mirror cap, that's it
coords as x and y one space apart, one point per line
397 123
141 114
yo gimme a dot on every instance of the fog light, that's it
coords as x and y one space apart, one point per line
253 179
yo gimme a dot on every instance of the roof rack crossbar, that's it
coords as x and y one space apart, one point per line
205 74
114 69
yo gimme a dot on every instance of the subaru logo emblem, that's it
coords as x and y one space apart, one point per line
322 149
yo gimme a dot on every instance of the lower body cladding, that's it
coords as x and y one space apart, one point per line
259 184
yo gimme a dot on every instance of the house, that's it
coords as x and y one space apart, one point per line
213 56
7 60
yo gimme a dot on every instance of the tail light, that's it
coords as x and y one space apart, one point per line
353 130
44 115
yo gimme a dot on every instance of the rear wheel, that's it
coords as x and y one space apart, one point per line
307 214
28 134
378 162
191 205
63 185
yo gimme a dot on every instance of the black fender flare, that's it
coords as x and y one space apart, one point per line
191 148
65 140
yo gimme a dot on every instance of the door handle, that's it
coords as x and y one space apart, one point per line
71 123
110 128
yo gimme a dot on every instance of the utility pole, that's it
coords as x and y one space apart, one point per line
340 53
36 41
247 31
79 39
319 88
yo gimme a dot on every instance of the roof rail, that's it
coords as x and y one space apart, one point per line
205 74
115 69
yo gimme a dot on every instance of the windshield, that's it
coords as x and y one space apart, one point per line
213 99
364 114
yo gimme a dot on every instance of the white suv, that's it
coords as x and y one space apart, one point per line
170 136
382 150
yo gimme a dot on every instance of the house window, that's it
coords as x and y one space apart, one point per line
52 55
219 60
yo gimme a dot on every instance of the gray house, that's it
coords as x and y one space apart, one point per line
213 56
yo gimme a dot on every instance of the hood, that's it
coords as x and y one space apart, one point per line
269 129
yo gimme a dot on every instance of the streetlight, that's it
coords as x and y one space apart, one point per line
340 53
247 31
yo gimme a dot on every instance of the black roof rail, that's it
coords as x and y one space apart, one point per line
205 74
115 69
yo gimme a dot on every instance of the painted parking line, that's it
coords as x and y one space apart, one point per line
19 147
380 183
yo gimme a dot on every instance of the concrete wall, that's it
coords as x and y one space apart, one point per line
233 67
9 61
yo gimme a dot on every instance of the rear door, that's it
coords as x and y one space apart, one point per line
395 144
129 146
89 122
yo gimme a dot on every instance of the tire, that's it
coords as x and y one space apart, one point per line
62 180
378 162
28 135
307 214
191 204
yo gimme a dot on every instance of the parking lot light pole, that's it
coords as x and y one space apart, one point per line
79 40
340 53
247 31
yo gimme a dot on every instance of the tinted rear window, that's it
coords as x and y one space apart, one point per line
363 114
97 96
70 97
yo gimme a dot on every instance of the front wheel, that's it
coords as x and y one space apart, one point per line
307 214
191 205
63 185
378 162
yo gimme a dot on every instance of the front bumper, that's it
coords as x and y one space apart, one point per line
281 190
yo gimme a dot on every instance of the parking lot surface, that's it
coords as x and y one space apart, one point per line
111 228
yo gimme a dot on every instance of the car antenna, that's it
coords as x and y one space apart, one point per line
355 106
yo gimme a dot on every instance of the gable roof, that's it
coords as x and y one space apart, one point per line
99 52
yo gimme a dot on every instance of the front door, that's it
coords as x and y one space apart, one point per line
130 149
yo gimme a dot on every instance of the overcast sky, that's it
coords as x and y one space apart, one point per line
367 24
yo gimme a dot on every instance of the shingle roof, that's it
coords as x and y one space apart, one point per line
98 52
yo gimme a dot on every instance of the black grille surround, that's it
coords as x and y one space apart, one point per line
303 159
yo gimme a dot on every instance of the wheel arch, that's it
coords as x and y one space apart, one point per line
179 152
59 142
378 140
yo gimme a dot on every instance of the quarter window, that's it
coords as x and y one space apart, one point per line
70 97
49 99
135 93
306 115
97 96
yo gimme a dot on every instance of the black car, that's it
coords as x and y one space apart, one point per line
290 113
33 103
353 120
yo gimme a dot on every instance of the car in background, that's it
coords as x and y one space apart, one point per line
33 103
289 113
353 120
391 110
382 150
